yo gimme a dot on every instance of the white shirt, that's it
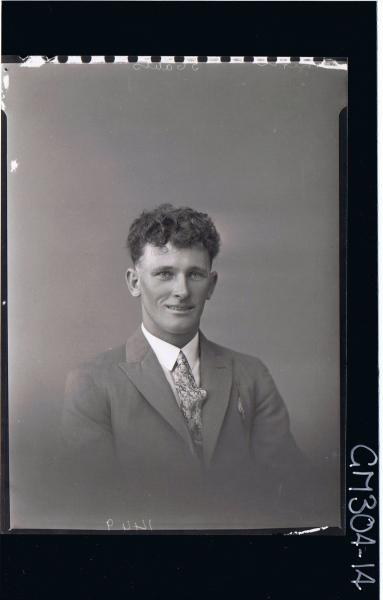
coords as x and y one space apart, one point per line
167 355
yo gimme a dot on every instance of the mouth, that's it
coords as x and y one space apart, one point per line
176 308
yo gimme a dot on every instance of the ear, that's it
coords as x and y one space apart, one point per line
133 282
213 282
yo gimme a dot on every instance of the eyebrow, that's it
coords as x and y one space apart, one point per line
172 268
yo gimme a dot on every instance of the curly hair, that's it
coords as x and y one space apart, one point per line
184 227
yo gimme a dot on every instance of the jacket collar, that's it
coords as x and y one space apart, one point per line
145 372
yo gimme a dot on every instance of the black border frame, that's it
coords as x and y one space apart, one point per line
272 566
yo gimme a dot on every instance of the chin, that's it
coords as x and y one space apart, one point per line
182 327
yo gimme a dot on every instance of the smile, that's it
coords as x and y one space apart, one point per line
179 309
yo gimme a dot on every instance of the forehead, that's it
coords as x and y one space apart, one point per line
170 255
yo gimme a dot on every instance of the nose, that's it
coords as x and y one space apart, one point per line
181 289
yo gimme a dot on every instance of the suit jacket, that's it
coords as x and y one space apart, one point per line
126 436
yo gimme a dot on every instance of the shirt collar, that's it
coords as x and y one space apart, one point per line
167 354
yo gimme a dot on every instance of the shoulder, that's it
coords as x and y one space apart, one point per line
242 363
99 366
253 380
235 356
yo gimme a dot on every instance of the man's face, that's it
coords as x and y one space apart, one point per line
173 284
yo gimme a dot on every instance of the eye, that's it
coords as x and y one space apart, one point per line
196 275
164 275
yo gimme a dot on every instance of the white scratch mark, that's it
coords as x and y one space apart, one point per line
307 531
14 165
332 64
4 88
327 63
33 61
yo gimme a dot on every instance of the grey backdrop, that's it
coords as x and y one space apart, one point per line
255 146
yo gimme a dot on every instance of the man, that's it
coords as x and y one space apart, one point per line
189 433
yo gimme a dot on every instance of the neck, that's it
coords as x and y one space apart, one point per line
178 340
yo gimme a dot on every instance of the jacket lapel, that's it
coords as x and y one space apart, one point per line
216 379
144 370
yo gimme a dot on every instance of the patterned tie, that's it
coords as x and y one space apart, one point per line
191 399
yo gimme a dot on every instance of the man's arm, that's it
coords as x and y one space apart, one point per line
297 480
86 414
272 440
286 472
88 455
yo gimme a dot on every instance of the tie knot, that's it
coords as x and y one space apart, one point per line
182 360
185 381
182 367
